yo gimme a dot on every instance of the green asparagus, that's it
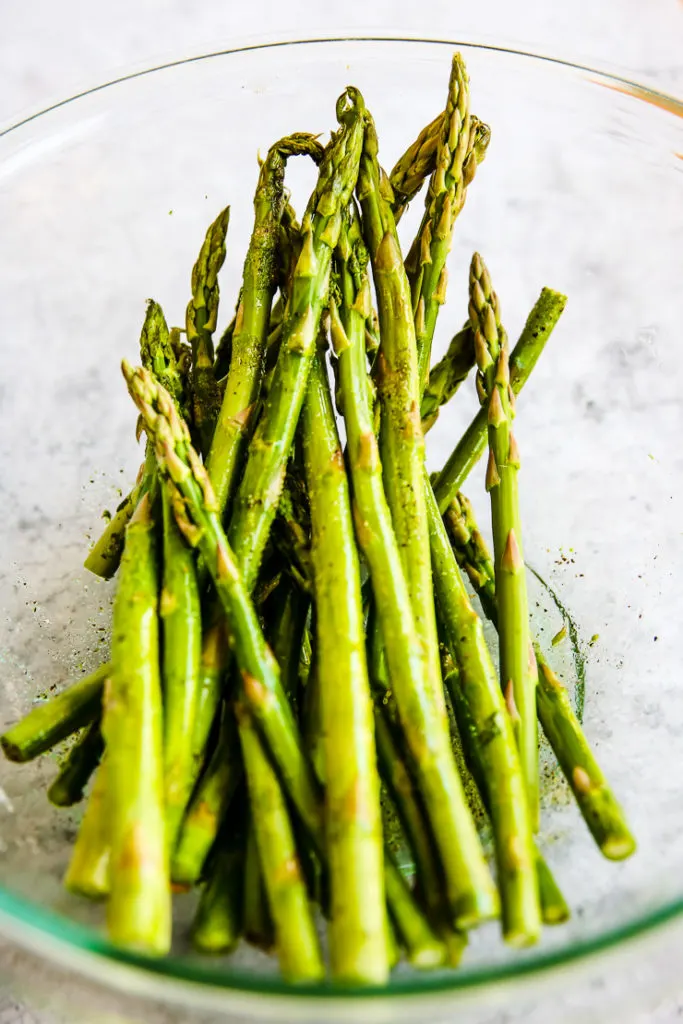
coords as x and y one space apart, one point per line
358 950
236 418
209 804
54 720
83 759
200 324
88 870
495 393
139 907
524 356
218 923
261 484
505 786
297 943
446 376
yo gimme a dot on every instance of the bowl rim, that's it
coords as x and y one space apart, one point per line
39 929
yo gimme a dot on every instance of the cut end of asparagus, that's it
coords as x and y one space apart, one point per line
618 847
556 913
475 908
12 751
426 957
521 938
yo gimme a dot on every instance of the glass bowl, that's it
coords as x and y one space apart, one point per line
104 200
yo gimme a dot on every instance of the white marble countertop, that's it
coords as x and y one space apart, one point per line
49 51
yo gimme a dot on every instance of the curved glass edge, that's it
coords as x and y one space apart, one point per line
69 934
658 98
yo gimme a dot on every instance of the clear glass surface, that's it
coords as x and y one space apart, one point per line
104 201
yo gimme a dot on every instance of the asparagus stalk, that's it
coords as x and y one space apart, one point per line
214 662
258 923
74 775
562 728
427 259
200 323
54 720
505 786
425 949
88 870
169 361
592 792
263 477
217 925
163 353
288 633
408 803
401 439
358 951
554 909
475 741
223 353
196 512
210 802
105 555
297 943
446 376
181 624
469 449
236 418
412 169
469 889
493 386
139 908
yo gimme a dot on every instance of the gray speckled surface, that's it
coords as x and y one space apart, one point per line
41 59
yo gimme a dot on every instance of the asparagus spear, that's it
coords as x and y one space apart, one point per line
139 908
493 386
408 803
415 165
596 801
469 449
200 323
510 817
223 353
599 808
163 354
168 360
88 871
217 925
196 512
181 624
401 440
446 376
52 721
425 949
209 804
236 418
470 892
427 258
83 759
263 477
475 741
105 555
258 923
214 662
358 951
288 632
297 943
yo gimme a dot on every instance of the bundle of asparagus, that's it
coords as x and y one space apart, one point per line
292 634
